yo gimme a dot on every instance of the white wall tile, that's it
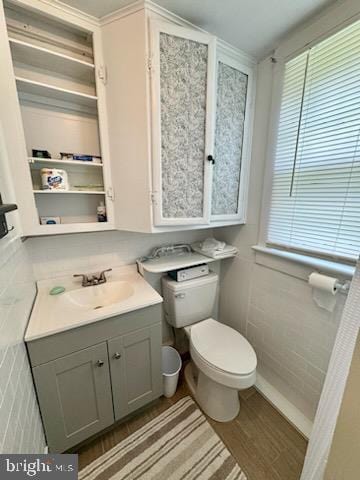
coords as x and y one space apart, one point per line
81 253
20 423
91 252
294 336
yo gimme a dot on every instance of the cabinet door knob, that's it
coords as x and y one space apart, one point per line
211 159
99 363
117 355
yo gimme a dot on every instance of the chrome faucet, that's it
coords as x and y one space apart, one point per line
93 278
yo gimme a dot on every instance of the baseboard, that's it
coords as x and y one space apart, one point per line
284 407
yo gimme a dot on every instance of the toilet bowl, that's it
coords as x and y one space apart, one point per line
222 360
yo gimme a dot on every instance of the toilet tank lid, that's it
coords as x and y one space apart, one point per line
187 284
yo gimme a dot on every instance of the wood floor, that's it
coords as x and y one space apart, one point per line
265 445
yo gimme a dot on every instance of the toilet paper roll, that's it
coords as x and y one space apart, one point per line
324 290
323 282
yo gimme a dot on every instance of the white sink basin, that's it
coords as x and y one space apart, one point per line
124 291
98 296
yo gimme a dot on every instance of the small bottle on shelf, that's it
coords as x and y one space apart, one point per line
101 212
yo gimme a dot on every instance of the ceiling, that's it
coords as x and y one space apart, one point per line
255 26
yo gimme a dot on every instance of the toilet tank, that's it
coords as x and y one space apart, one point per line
189 302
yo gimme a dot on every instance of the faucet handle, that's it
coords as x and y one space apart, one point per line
102 277
85 278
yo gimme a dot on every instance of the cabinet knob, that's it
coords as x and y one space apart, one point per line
117 355
211 159
99 363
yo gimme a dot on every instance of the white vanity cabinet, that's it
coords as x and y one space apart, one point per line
180 108
53 99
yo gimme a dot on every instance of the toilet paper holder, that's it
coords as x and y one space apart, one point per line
336 286
343 286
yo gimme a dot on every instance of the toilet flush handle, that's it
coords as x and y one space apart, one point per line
179 295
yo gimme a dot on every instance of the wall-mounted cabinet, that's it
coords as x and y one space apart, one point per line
56 63
165 108
187 101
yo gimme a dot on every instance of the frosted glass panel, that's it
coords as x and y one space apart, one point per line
183 77
230 117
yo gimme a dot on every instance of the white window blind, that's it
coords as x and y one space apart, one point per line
315 204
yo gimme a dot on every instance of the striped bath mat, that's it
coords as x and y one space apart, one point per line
179 444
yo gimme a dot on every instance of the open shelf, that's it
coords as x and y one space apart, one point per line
64 228
55 75
45 59
52 93
58 162
69 192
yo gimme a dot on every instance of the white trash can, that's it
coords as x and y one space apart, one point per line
171 366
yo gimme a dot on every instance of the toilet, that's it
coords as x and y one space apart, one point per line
222 360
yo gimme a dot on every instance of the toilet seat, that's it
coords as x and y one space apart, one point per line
223 354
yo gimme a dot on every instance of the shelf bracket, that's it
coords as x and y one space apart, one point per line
102 74
149 64
153 198
110 193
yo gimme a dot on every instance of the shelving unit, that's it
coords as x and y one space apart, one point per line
24 52
69 192
55 74
59 163
60 229
51 92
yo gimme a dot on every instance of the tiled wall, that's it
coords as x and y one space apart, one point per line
292 336
89 252
20 424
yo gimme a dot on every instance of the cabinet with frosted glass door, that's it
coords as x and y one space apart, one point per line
232 139
190 112
183 81
201 128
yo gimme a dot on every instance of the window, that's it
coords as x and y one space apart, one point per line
315 203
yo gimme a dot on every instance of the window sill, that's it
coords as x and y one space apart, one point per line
286 258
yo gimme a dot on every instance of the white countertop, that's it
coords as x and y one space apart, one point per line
54 313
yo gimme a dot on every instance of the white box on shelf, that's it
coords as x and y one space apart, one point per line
50 220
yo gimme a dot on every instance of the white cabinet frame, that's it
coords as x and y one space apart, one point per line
19 164
240 216
156 28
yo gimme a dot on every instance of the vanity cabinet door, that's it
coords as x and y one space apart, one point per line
74 394
232 139
183 82
135 366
